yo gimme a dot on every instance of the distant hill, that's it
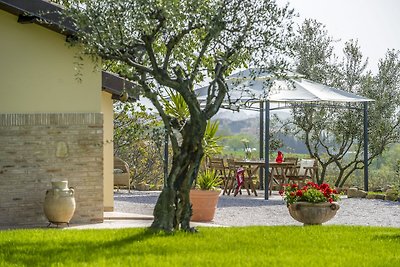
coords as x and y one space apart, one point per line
251 125
292 145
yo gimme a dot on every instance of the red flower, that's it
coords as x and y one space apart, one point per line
292 193
324 186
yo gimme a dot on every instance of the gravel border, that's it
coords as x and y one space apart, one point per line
245 210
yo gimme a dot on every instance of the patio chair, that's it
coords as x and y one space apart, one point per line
237 169
231 182
122 175
218 165
295 162
291 159
306 169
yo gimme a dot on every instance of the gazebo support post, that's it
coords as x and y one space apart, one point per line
366 146
261 147
266 153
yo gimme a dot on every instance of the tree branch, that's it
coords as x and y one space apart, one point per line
175 40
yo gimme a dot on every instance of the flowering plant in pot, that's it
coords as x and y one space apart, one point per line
311 192
312 203
204 197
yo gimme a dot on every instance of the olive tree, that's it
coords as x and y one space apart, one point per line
174 44
331 133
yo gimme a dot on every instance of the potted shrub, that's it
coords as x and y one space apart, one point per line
312 203
204 197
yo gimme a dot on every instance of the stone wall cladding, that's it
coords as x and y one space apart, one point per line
36 149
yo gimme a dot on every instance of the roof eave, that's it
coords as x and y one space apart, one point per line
44 13
116 85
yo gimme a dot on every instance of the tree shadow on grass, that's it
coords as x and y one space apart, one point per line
388 237
69 251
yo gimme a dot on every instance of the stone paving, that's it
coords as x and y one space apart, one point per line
135 210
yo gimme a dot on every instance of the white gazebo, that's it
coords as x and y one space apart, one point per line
251 86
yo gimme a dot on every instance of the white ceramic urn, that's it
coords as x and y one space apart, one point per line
59 203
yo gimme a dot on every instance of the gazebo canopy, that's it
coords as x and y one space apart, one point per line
249 86
308 91
252 86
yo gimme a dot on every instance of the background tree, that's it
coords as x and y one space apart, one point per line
385 169
175 44
138 140
331 133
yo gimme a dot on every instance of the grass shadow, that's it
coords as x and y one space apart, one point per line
59 248
387 237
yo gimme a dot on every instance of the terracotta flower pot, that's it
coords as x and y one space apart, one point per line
204 204
313 213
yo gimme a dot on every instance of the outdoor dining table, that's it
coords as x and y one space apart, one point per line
277 171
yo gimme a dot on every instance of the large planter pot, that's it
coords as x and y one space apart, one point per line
204 204
59 203
313 213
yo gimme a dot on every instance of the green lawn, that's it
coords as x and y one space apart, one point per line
245 246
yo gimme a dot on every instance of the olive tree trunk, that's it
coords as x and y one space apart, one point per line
173 208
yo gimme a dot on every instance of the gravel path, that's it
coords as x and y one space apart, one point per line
247 210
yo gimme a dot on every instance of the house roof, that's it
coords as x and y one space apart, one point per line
48 15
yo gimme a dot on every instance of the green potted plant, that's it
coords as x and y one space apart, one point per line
312 203
204 197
